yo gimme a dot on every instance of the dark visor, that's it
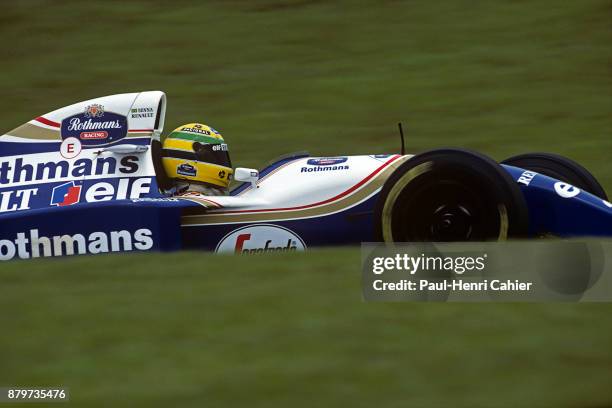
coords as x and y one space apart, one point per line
207 153
212 153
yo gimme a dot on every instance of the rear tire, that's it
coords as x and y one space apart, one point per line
450 195
560 168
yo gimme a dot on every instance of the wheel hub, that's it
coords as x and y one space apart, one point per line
451 223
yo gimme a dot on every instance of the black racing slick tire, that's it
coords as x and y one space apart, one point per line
450 195
560 168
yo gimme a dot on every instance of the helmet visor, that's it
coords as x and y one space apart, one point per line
212 153
203 152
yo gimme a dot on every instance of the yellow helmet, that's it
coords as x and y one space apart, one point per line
197 153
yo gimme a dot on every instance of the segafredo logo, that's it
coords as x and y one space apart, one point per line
33 245
260 238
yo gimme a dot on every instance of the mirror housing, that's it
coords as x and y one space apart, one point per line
246 175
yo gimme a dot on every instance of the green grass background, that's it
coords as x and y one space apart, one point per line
502 77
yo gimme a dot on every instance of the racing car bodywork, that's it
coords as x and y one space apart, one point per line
85 179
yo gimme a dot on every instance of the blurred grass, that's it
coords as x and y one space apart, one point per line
189 329
334 78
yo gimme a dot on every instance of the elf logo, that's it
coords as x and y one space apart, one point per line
70 193
66 194
259 239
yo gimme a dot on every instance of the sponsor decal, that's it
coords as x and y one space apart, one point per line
607 204
20 171
186 169
222 174
566 190
94 135
70 148
66 194
526 177
325 164
94 111
222 147
72 192
95 126
141 113
197 129
105 191
327 168
16 200
260 238
381 156
69 193
326 161
31 244
156 200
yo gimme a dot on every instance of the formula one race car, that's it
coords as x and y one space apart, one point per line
85 179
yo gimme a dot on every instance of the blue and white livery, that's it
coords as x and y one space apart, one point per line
83 180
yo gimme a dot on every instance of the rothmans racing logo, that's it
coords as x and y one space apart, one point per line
95 126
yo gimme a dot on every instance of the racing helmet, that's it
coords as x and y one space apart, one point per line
197 153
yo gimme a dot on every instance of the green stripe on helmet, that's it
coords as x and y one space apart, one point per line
195 138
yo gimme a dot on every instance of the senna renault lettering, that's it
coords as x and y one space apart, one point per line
93 178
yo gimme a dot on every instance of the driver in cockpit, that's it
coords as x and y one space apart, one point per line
196 159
